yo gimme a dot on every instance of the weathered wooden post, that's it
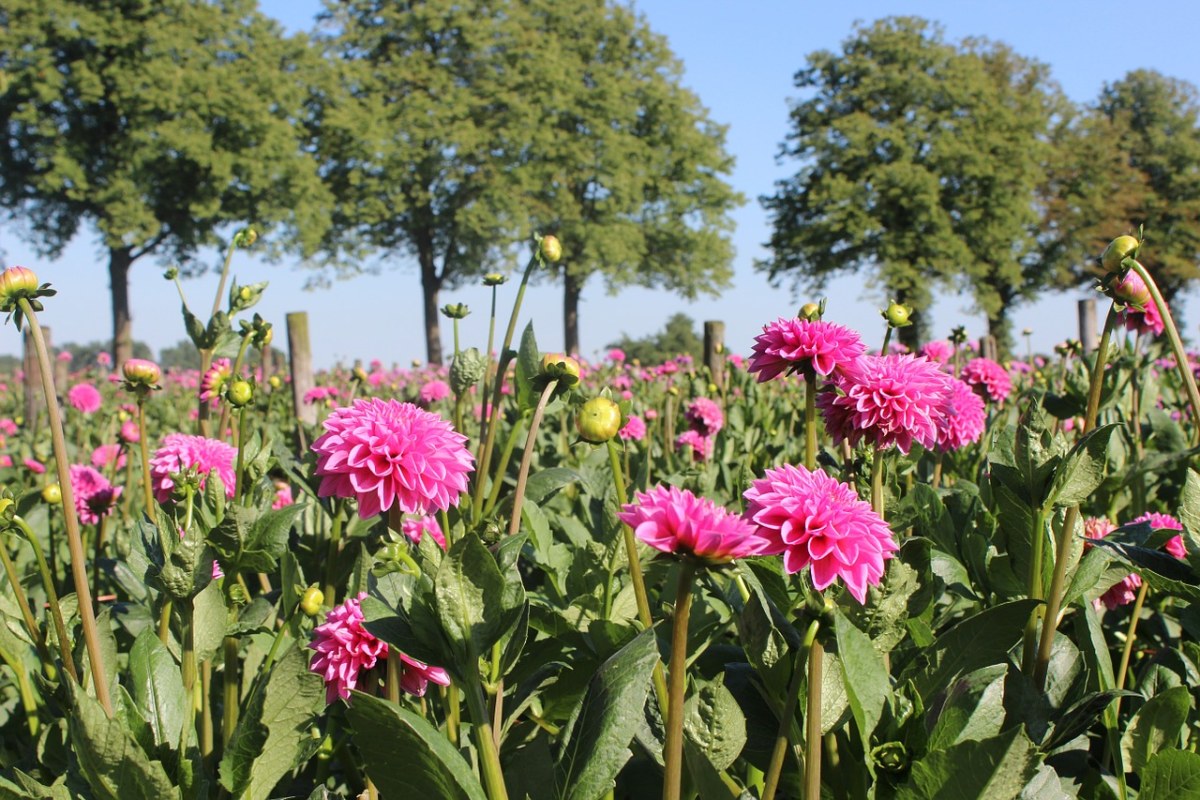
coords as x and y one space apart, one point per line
988 349
34 402
300 354
62 371
714 351
1087 324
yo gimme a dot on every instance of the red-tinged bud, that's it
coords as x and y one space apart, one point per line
140 372
17 282
1130 289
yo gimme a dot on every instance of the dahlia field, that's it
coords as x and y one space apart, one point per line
828 568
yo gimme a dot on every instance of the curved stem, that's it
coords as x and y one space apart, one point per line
60 627
510 444
789 712
14 580
1130 637
673 748
1181 360
1036 589
514 523
83 591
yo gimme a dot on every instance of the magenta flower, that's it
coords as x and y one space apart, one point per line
704 416
818 522
214 380
283 495
1165 522
702 446
434 390
888 400
939 351
616 355
960 418
1148 320
987 378
7 426
35 466
1124 591
793 345
384 452
105 454
675 521
95 497
634 428
85 398
181 452
130 433
416 527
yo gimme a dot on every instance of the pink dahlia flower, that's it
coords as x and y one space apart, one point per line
616 355
960 418
1124 591
889 400
702 446
1165 522
988 378
345 649
1148 320
704 416
675 521
818 522
35 466
8 427
939 351
434 390
130 433
283 495
95 497
416 527
213 382
634 428
384 452
181 452
84 397
792 345
105 454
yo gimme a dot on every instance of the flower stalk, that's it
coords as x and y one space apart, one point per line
677 683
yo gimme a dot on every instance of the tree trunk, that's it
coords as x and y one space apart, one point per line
572 289
1000 328
119 261
431 284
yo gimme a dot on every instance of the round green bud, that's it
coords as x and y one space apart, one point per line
494 279
562 367
17 282
140 372
551 249
1117 251
898 315
52 494
239 393
599 420
810 312
312 601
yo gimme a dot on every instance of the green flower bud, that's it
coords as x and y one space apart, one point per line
599 420
17 282
312 601
467 370
245 237
551 249
1118 250
897 315
564 368
52 494
244 297
240 393
141 373
494 279
455 310
810 312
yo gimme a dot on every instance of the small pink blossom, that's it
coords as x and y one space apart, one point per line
85 398
704 416
181 452
960 418
987 378
105 454
416 527
702 446
434 390
634 429
938 351
95 497
283 495
1165 522
35 466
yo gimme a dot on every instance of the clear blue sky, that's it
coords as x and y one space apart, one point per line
739 58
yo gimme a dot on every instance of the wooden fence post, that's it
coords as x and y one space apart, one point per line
1087 324
988 349
300 354
714 351
34 402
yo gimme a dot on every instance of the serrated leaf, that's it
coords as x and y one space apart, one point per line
249 540
865 677
527 369
112 762
1082 471
544 482
406 756
595 740
998 768
476 606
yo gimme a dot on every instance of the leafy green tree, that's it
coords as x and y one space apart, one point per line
628 169
919 162
678 337
158 125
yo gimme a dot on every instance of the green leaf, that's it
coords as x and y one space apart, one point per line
475 605
1156 726
998 768
209 618
529 366
544 482
1080 716
865 676
714 722
595 740
249 540
406 756
973 708
1189 515
157 688
1171 775
975 642
111 761
1159 569
1082 471
272 737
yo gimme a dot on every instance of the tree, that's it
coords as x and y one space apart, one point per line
627 167
158 124
678 337
919 161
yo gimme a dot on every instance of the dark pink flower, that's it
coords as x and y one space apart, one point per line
181 452
35 466
1165 522
792 345
987 378
888 400
85 397
616 355
105 454
1124 591
674 520
704 416
818 522
7 426
939 351
960 418
702 446
384 452
130 433
95 497
416 527
634 428
213 382
283 495
1148 320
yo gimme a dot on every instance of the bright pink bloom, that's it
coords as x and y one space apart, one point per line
816 521
104 359
702 446
283 495
674 520
383 452
130 433
1124 591
987 378
35 466
939 351
960 418
1165 522
95 497
616 355
416 527
7 426
434 390
1146 321
6 460
888 400
793 345
634 428
704 416
181 452
85 397
105 454
215 379
319 394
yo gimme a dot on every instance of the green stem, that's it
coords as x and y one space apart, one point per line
1181 359
60 627
783 735
1130 637
83 592
485 742
510 445
877 473
812 723
810 418
187 671
25 687
144 446
887 338
1067 534
234 374
221 284
14 580
232 687
335 541
673 748
514 523
239 477
1036 589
